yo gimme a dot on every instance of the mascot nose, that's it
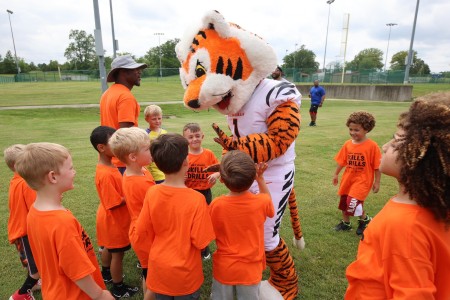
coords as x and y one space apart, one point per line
193 103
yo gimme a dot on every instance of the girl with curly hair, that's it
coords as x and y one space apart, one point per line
360 156
405 251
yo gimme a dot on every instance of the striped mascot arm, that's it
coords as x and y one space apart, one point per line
283 127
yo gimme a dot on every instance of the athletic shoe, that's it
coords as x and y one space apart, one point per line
362 225
312 124
124 291
206 254
138 265
27 296
107 277
343 226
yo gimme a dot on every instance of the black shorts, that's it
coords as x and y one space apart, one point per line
314 108
208 195
26 256
117 250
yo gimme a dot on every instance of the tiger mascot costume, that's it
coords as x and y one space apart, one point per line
225 67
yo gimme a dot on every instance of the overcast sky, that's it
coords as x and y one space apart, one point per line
41 28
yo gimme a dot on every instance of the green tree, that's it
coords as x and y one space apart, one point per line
9 64
367 59
168 58
81 51
53 65
303 59
418 66
445 74
33 67
1 65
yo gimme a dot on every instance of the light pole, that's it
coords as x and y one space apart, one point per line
410 52
14 44
115 42
159 34
389 38
295 50
326 37
99 50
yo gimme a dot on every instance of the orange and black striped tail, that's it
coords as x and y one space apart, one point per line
295 218
283 275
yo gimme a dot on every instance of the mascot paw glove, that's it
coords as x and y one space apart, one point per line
299 244
225 141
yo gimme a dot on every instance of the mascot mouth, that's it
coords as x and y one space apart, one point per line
225 102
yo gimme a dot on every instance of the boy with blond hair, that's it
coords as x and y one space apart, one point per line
131 146
175 224
153 116
62 249
21 198
238 221
113 219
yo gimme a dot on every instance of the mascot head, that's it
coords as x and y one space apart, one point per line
221 64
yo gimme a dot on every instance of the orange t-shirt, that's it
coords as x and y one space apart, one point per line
404 254
176 223
196 178
21 198
360 162
113 219
118 105
238 223
134 189
63 253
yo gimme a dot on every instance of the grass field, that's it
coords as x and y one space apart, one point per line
71 92
321 265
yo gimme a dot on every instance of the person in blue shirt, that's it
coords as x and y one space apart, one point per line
317 95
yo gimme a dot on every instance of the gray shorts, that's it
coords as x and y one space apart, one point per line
243 292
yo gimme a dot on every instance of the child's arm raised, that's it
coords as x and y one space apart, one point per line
260 169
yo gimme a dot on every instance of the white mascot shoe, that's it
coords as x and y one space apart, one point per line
268 292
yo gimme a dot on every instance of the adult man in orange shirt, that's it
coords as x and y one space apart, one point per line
118 106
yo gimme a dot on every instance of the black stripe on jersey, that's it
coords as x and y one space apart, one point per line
281 87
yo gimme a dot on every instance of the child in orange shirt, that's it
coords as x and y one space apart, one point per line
200 158
21 198
360 156
405 252
62 249
113 219
131 146
175 223
238 221
153 116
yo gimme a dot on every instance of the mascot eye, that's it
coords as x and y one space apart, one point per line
200 70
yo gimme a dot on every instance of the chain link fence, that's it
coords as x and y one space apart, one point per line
155 74
359 77
291 74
